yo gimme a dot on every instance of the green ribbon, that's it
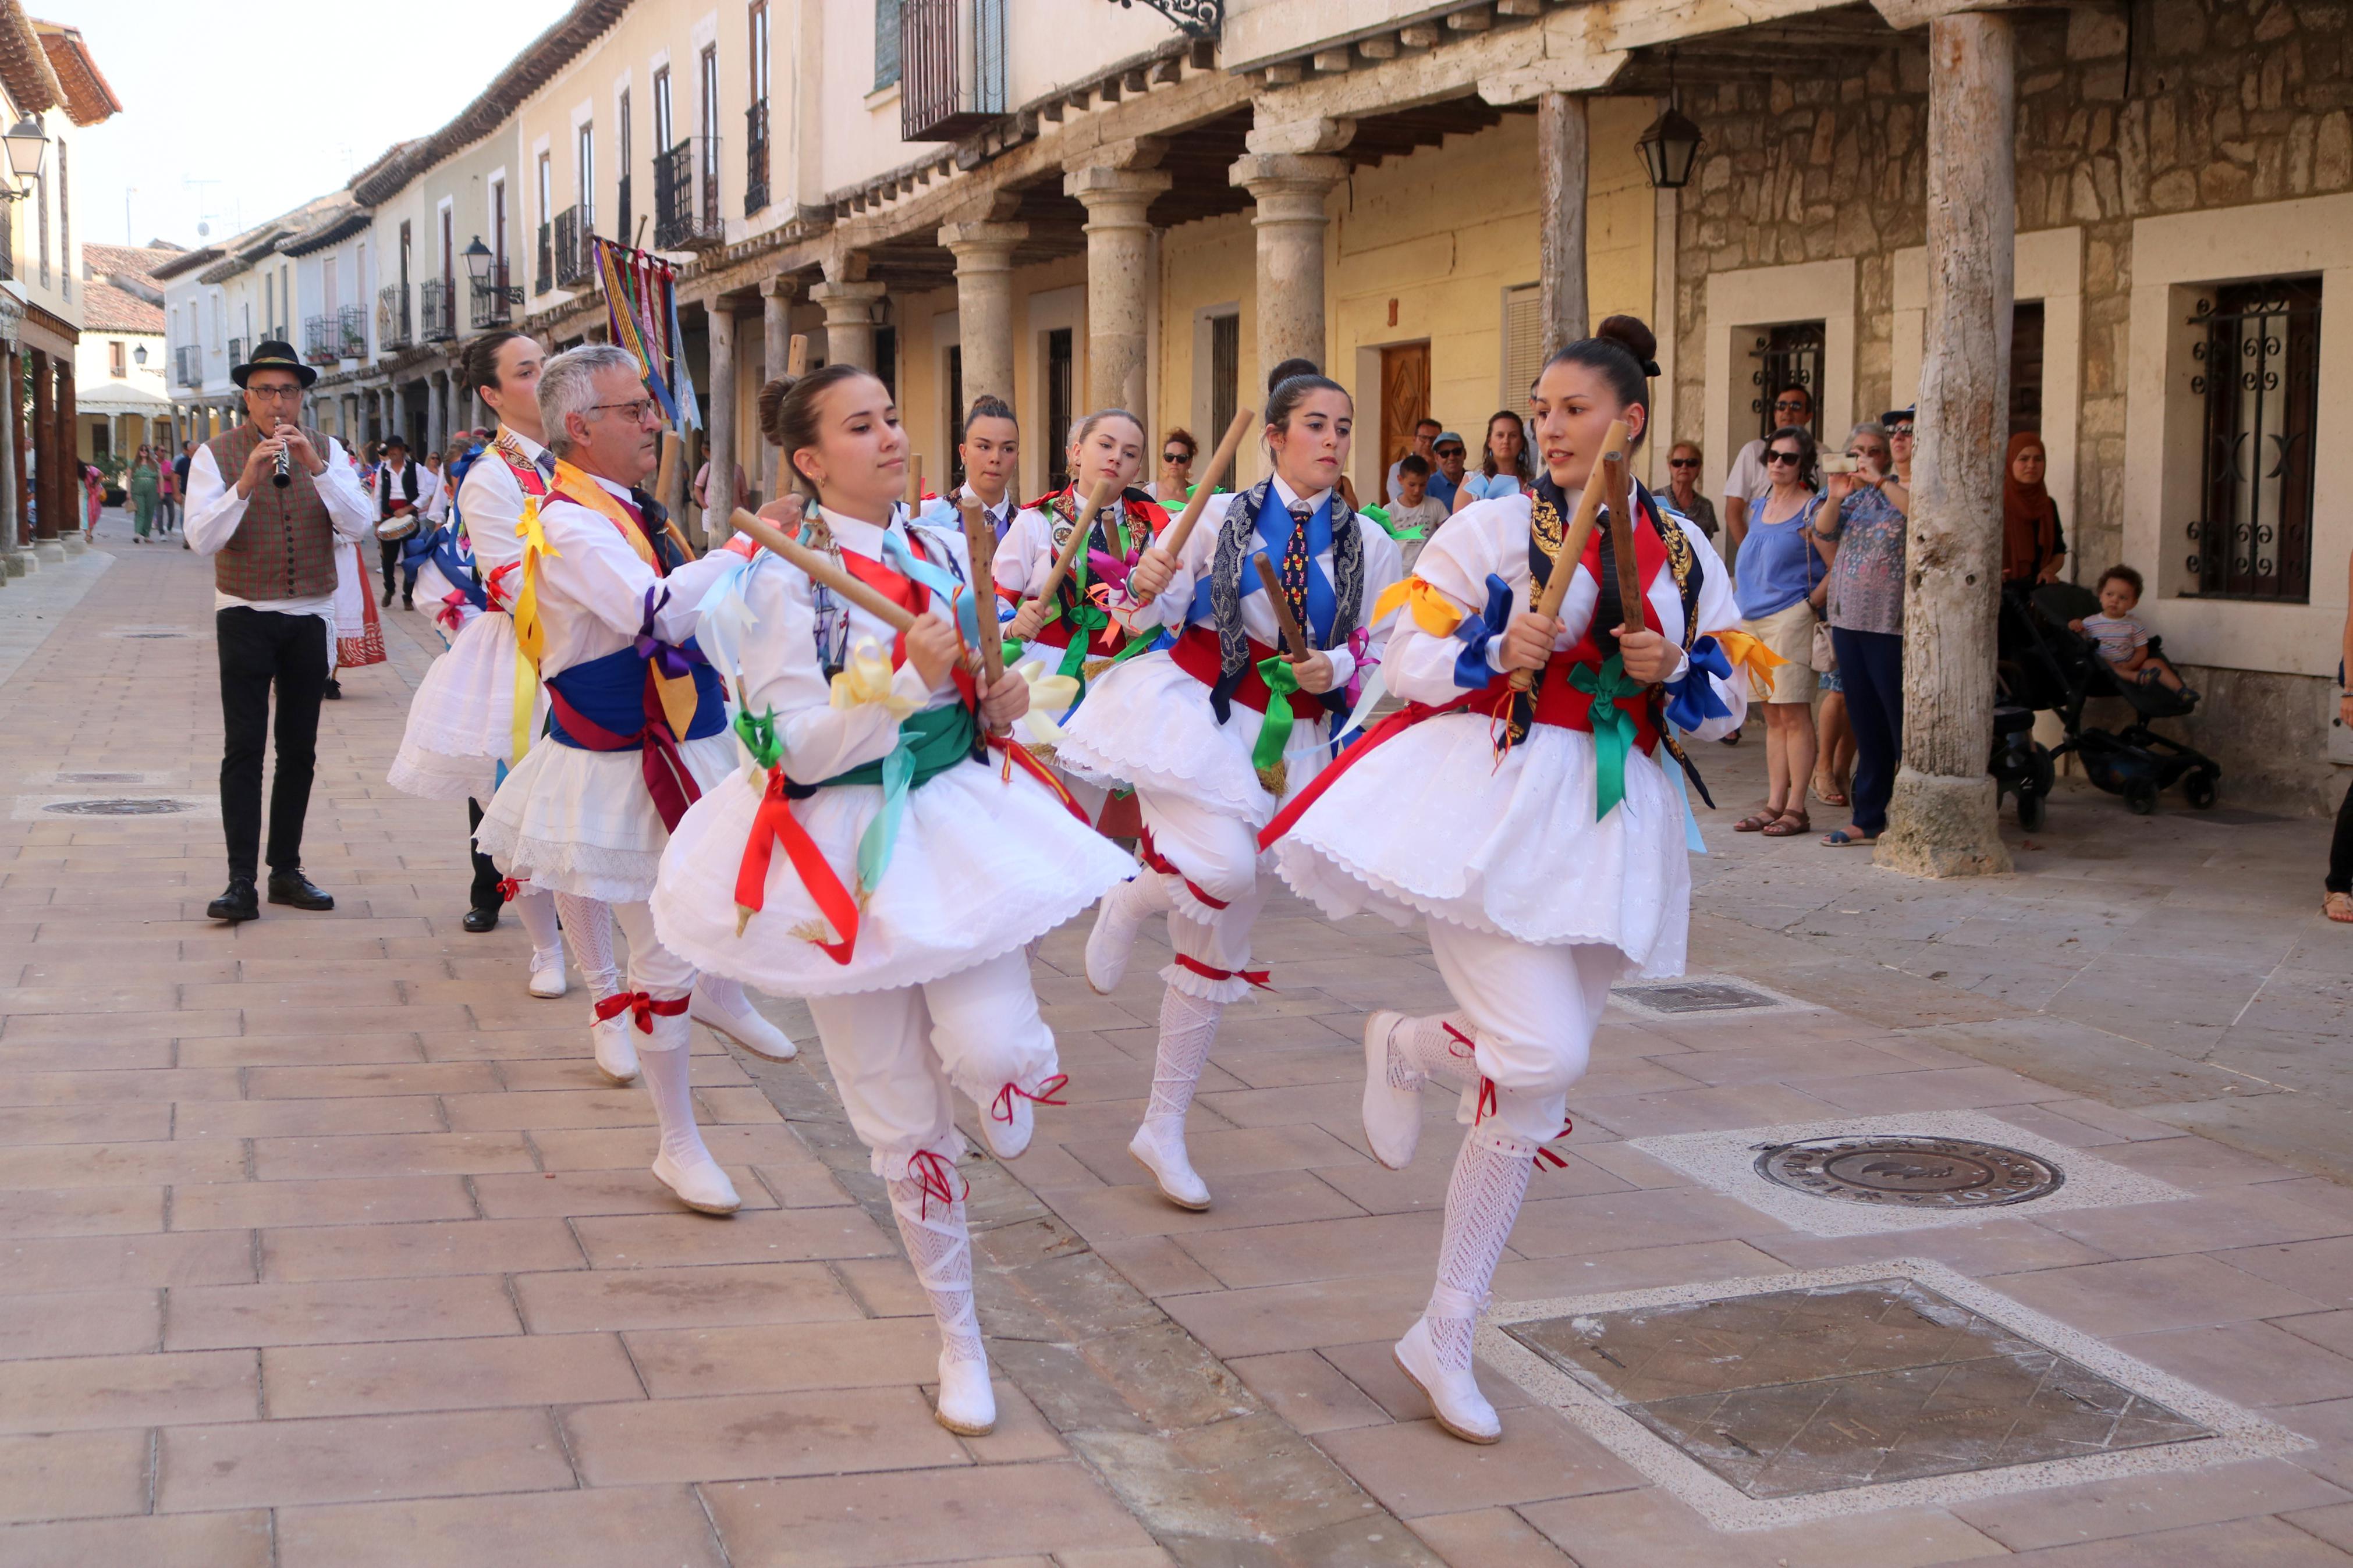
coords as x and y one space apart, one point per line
930 742
1614 731
1273 735
759 737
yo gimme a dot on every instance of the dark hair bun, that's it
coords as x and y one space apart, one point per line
1630 333
771 400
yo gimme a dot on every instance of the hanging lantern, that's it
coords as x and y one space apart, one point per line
1671 146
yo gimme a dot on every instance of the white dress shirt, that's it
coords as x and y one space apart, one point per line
215 509
392 484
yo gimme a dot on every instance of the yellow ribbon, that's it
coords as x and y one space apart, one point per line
1746 653
1433 612
530 631
866 679
1050 694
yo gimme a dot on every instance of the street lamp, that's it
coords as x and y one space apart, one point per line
27 147
478 261
138 355
1671 146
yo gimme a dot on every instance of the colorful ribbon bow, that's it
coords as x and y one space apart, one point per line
758 733
1692 699
1614 731
1274 734
935 1178
451 616
1749 655
1001 1108
642 1006
508 890
1050 697
530 631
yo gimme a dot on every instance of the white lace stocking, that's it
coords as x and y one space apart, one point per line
662 1059
588 927
939 1245
1187 1026
1483 1199
536 909
1422 1048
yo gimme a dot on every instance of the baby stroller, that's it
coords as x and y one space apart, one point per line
2135 762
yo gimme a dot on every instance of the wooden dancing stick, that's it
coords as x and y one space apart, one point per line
1097 499
822 569
1633 614
1294 639
1173 540
1580 529
672 446
796 356
980 542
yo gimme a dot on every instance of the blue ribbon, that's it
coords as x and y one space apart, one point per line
942 584
1692 699
1274 525
1471 670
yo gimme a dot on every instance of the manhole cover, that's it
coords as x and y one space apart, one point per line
148 637
99 778
1894 1172
1695 996
115 807
1799 1392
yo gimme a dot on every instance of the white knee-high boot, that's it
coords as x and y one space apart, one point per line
536 909
1402 1054
1123 909
589 928
720 1006
1491 1178
1188 1027
684 1165
928 1204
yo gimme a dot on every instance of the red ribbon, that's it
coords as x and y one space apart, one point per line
1001 1108
508 890
1486 1101
494 586
1255 976
641 1007
666 779
774 823
1457 1037
935 1178
451 617
1149 853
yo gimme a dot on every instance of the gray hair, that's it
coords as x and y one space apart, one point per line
1867 428
567 386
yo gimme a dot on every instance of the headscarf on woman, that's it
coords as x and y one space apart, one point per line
2030 518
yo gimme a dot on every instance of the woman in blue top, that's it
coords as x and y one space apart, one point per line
1504 466
1781 576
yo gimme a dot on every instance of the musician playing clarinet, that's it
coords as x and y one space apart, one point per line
272 529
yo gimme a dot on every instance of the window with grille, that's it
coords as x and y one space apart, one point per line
2257 378
1225 371
2026 366
886 359
1787 355
621 145
886 43
1524 345
1057 407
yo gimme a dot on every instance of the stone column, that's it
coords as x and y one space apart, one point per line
1288 189
848 321
437 410
984 258
1119 257
14 557
777 324
719 423
1563 140
1941 820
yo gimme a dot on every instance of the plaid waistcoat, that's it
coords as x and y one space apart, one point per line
284 546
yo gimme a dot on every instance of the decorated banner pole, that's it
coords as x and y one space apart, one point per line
823 572
1097 499
1580 529
1173 538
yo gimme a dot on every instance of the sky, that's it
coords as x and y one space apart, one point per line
233 114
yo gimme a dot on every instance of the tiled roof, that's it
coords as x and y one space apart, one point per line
106 308
25 69
88 98
135 263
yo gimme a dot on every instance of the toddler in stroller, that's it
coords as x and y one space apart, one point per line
2132 655
2111 654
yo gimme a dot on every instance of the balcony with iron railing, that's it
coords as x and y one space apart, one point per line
188 365
436 310
543 279
350 327
321 339
686 217
573 255
755 157
392 320
494 299
946 92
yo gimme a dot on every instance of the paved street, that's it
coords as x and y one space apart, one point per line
323 1244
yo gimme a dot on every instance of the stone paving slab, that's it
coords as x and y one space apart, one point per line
321 1244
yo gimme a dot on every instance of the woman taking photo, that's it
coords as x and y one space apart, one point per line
1545 867
1504 466
900 914
1863 520
1215 732
1783 576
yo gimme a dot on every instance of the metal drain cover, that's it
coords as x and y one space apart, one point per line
116 808
99 778
1910 1173
149 637
1695 996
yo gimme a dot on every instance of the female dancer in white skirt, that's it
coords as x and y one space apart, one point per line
1079 633
1545 873
637 723
1189 727
882 862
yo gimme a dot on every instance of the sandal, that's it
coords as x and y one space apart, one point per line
2338 907
1827 791
1757 821
1846 837
1789 824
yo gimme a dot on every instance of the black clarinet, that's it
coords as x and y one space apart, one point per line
282 474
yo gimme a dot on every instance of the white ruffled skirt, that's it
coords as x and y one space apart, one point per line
1430 825
461 719
984 864
1148 725
582 822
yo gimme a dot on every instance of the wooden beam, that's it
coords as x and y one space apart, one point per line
1475 20
1285 74
1377 49
1418 38
1331 60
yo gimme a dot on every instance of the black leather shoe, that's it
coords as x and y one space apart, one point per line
237 904
406 602
334 693
479 921
388 600
295 888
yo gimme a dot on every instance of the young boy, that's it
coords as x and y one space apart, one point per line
2124 641
1414 512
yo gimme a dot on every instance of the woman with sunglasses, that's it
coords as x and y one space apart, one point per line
1178 450
1783 577
1544 864
1684 496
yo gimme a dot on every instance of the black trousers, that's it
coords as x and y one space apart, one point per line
390 548
258 648
485 894
2340 849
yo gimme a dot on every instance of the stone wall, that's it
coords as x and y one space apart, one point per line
2197 105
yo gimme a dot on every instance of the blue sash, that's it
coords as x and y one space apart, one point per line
610 693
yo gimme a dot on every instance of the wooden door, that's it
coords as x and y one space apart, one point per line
1405 402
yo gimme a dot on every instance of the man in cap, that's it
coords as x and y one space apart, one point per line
272 500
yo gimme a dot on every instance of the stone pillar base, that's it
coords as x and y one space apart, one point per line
1940 827
47 549
74 545
22 562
